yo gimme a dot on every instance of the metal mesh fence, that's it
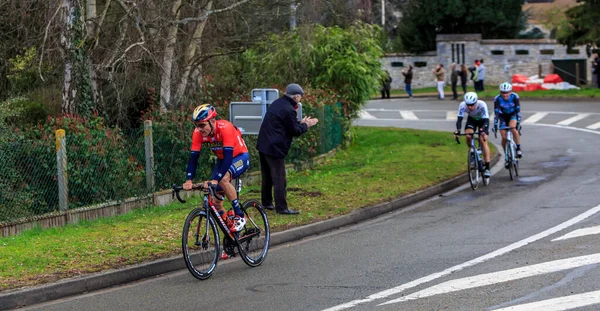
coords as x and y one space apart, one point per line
28 180
106 168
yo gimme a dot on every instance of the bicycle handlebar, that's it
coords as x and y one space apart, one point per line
212 189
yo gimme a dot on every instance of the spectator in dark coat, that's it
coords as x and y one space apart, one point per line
386 85
279 126
596 71
454 80
408 75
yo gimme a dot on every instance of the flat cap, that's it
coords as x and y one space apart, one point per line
294 89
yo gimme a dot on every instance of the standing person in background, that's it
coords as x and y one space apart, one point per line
454 80
440 78
408 75
279 126
596 71
463 78
481 75
474 71
386 85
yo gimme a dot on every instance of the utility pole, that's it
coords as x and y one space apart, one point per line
382 13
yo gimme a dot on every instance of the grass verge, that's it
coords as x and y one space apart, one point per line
381 164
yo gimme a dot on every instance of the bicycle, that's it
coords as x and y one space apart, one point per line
475 165
200 240
511 162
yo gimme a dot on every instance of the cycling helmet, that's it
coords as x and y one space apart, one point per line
470 98
505 87
204 113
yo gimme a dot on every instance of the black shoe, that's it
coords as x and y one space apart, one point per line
269 207
288 212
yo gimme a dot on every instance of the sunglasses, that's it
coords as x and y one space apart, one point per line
200 125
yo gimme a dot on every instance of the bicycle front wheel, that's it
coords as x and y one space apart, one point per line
473 169
200 244
511 163
254 239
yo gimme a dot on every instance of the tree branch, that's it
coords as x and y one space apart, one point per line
46 38
209 12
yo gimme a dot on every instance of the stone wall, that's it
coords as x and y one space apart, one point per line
502 58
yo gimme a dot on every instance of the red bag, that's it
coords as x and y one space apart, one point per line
519 78
533 87
552 78
518 88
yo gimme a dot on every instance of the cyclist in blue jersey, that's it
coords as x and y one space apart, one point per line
477 118
507 111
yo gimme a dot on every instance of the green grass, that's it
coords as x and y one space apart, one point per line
381 164
492 90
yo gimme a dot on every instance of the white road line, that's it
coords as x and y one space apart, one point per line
579 232
594 126
535 117
574 119
501 277
558 304
478 260
408 115
451 115
365 115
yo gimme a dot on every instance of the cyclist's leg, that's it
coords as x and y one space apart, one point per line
469 129
502 124
239 165
515 132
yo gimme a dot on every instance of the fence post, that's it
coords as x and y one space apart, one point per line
577 74
61 165
148 146
540 71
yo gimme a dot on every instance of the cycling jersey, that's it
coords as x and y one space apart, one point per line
507 109
225 135
479 114
227 144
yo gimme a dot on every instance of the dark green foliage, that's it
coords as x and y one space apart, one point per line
424 19
32 112
582 26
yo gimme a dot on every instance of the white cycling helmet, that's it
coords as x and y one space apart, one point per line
470 98
505 87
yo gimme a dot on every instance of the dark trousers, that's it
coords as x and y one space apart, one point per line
272 171
385 93
464 87
454 93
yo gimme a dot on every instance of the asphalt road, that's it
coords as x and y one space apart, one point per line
488 249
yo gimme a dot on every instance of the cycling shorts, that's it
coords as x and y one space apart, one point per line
476 124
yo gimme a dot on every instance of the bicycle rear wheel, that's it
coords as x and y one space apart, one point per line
254 239
200 244
473 170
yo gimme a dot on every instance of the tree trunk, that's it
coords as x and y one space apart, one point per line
190 53
91 19
69 92
167 63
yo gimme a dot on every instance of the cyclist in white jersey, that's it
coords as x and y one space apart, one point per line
477 118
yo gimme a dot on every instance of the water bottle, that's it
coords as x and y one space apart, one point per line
479 154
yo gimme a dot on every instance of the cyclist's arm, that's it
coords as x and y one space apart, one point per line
486 125
458 123
497 112
518 109
190 171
